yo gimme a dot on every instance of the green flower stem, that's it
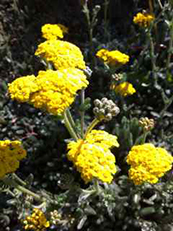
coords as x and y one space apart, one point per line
70 118
152 56
69 126
90 29
169 50
169 102
91 22
91 126
106 4
150 3
144 137
18 179
10 182
82 113
97 186
160 4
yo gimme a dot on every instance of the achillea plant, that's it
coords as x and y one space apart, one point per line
143 19
11 152
112 58
22 88
92 156
61 54
53 31
148 163
53 91
124 89
36 221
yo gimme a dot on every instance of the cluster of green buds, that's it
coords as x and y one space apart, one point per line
55 217
117 77
146 123
105 109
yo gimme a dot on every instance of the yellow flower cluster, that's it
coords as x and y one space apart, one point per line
53 91
112 58
92 157
124 89
21 88
36 222
61 54
11 152
148 163
53 31
143 19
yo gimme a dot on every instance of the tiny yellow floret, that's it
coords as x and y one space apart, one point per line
112 58
143 19
21 88
36 221
61 54
11 152
124 89
53 31
148 163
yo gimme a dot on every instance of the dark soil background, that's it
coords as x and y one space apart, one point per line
21 21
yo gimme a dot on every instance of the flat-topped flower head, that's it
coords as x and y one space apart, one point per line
112 58
124 89
52 91
11 152
102 137
92 157
148 163
57 89
36 221
21 88
53 31
143 19
61 54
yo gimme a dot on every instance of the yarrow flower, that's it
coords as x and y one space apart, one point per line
92 157
11 152
148 163
53 31
36 221
53 91
21 88
112 58
61 54
124 89
143 19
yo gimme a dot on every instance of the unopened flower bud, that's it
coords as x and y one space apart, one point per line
104 100
95 110
108 117
115 111
117 77
97 7
102 111
97 102
146 123
107 108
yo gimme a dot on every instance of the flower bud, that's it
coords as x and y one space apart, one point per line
108 117
95 110
115 111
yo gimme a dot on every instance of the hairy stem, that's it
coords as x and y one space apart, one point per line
91 126
82 113
71 121
12 183
152 56
169 50
69 126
